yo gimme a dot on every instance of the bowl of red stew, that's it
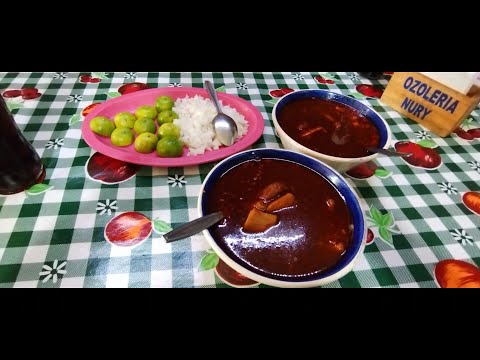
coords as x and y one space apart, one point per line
289 220
331 127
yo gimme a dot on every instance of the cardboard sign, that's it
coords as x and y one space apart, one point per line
429 103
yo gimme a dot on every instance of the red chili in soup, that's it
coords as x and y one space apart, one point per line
281 218
328 127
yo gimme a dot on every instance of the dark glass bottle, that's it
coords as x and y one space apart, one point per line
20 165
371 75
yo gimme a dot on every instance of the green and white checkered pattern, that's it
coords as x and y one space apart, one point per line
61 231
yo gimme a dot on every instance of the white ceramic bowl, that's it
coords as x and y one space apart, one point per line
338 163
347 261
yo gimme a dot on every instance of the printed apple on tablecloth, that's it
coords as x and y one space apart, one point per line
457 274
366 92
326 78
80 117
471 200
128 89
15 98
211 261
93 78
424 156
469 130
25 93
367 170
278 93
105 170
132 228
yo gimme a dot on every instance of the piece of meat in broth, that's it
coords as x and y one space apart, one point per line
272 191
283 202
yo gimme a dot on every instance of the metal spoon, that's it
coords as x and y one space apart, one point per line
388 152
193 227
341 136
224 126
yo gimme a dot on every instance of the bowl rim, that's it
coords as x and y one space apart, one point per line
331 158
275 282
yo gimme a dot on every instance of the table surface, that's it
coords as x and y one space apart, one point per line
53 235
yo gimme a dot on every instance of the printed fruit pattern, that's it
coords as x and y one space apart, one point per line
78 117
39 187
474 132
25 93
370 237
464 134
132 228
321 80
471 200
457 274
469 130
85 79
231 277
106 170
280 92
367 170
423 155
132 87
89 108
383 224
369 90
128 229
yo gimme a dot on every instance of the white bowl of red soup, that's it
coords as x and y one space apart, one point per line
331 127
289 220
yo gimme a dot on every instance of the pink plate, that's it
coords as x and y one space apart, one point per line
130 102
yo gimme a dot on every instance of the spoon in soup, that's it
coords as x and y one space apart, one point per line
225 127
193 227
341 135
388 152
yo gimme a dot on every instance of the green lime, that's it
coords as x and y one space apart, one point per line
169 147
166 116
144 125
145 143
102 125
146 111
168 129
124 119
164 103
122 137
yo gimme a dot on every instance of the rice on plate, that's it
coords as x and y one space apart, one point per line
195 115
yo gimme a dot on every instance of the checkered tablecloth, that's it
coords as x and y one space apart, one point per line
56 238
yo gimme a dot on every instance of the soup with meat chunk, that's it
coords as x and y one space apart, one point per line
329 127
280 218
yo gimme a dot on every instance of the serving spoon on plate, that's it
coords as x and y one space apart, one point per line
225 127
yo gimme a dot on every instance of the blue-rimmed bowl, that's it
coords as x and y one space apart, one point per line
334 273
338 163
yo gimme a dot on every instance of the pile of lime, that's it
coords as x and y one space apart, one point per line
165 140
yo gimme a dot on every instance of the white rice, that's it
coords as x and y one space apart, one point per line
195 122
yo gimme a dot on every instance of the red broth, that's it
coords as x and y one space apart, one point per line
313 123
308 237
